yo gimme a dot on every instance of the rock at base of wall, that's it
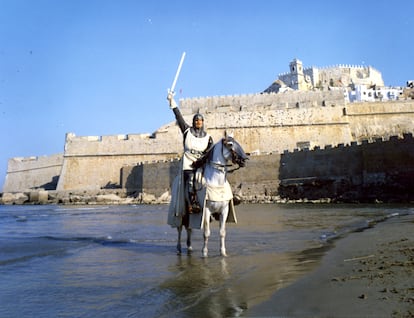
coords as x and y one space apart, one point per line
107 198
40 196
14 198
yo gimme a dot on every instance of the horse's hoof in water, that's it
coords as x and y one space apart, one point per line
237 199
178 249
190 250
223 252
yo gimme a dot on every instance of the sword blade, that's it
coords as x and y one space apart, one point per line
177 73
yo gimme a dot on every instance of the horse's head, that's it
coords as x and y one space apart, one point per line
236 152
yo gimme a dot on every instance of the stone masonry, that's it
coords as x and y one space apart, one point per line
265 125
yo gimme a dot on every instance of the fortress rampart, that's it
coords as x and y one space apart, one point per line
33 172
156 177
92 163
381 170
258 102
267 125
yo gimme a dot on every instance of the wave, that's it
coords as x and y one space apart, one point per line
144 245
58 209
32 255
360 226
20 251
100 240
148 245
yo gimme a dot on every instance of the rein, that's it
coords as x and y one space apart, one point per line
234 169
222 167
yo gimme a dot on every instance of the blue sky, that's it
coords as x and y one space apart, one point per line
103 67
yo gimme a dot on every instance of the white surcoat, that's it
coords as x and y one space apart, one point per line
193 148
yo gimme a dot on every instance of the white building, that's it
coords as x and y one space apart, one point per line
362 93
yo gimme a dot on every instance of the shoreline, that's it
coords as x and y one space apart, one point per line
365 274
121 197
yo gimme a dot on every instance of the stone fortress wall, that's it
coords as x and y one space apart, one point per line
257 102
266 124
365 171
33 173
380 170
92 163
262 126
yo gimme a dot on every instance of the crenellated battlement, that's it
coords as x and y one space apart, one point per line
406 137
71 137
25 159
33 172
131 144
28 163
371 170
254 102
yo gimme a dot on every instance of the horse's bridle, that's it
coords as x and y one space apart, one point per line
225 143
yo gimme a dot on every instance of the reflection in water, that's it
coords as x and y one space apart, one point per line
226 287
202 287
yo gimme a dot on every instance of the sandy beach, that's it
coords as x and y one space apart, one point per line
366 274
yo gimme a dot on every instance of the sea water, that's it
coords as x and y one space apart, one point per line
121 261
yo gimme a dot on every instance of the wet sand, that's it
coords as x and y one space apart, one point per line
366 274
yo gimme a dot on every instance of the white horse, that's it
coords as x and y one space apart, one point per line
213 192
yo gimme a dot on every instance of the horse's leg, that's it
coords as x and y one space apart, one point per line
179 230
189 247
206 234
223 218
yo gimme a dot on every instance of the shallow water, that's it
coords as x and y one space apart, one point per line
120 261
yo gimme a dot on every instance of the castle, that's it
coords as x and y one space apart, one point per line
359 83
304 109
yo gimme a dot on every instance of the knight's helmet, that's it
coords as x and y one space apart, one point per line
198 116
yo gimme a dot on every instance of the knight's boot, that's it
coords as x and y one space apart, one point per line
189 207
195 207
188 203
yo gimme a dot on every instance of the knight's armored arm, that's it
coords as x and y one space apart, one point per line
178 116
180 120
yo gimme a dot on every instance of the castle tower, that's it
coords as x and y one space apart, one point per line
296 71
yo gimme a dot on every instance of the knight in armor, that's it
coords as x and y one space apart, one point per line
196 143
